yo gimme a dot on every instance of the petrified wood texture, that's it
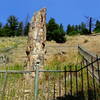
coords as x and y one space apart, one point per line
36 40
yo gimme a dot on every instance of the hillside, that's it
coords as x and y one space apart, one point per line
14 48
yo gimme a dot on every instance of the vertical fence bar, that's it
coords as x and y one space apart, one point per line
4 87
98 68
0 85
76 81
71 80
36 84
59 84
93 78
84 61
54 96
82 79
87 79
65 79
43 85
48 86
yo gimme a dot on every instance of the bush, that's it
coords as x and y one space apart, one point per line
55 32
85 32
73 33
58 36
97 31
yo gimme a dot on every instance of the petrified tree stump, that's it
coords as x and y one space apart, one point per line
36 40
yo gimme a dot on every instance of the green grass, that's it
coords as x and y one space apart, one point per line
12 82
10 75
14 67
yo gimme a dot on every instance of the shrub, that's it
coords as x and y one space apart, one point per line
55 32
85 31
73 33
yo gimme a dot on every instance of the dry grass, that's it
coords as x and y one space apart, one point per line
67 52
17 88
92 43
66 55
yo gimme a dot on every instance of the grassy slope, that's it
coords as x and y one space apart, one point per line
18 45
17 55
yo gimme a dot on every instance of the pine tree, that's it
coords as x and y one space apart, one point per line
26 29
55 31
6 31
69 29
76 28
84 30
51 27
0 25
12 22
62 29
0 29
97 26
20 29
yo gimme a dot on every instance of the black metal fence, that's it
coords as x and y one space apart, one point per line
76 83
14 86
73 82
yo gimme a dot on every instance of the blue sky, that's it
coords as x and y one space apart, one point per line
64 11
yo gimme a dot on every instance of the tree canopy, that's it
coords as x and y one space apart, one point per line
55 31
77 29
13 27
97 26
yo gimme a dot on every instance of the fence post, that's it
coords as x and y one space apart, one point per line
48 86
71 80
59 83
88 79
93 77
5 83
76 80
36 83
65 79
54 96
98 68
82 77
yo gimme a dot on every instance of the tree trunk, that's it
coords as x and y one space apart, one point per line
36 40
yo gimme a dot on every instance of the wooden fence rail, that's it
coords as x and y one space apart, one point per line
90 58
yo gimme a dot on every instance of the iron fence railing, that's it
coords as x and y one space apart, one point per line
79 82
71 83
14 86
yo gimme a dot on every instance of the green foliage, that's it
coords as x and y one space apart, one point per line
51 27
13 27
69 29
0 28
55 32
26 29
77 29
97 26
73 33
12 22
6 31
0 25
20 29
85 32
13 67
